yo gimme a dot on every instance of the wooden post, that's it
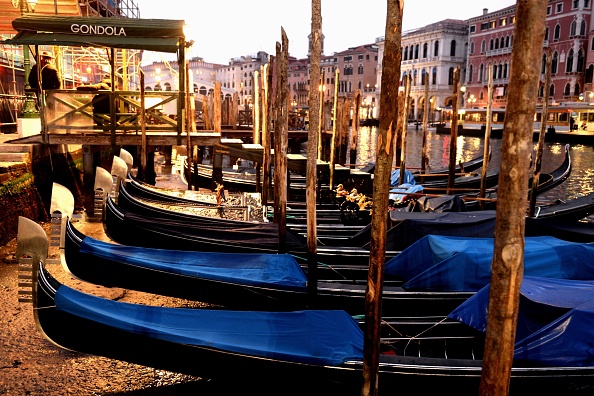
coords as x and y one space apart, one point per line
281 126
256 139
206 113
217 107
454 131
487 140
266 141
322 126
142 128
508 255
424 159
347 154
335 135
352 158
407 86
391 109
183 91
542 132
312 149
233 111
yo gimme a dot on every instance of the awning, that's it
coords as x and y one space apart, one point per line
160 35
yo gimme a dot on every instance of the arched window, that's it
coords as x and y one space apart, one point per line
481 72
470 74
500 71
491 45
434 82
541 91
423 76
497 43
567 90
414 81
406 53
580 60
592 44
543 66
589 74
507 41
410 52
557 34
546 37
436 49
425 49
576 90
552 90
583 28
573 28
417 51
453 48
472 47
569 62
505 70
451 76
554 63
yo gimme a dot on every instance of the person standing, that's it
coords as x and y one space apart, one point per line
50 79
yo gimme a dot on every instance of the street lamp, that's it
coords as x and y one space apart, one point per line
29 110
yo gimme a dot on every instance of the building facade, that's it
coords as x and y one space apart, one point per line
567 36
434 52
238 75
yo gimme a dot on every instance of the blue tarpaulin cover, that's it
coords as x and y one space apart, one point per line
322 337
395 178
555 321
445 263
255 269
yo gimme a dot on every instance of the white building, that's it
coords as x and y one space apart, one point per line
433 52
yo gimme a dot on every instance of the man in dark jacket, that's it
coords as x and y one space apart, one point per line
50 79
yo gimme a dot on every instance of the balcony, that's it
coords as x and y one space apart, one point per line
499 52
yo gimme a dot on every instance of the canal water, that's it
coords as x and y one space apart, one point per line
580 182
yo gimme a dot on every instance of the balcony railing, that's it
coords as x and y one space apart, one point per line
71 111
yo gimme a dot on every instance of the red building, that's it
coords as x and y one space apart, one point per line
491 40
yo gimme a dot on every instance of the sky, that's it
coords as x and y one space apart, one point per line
227 29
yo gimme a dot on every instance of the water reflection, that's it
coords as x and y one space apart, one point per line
580 182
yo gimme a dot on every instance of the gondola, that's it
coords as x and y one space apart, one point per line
314 350
250 281
144 208
236 181
559 220
222 235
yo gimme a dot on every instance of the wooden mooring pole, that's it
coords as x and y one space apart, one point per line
387 131
312 151
487 139
507 267
454 131
541 135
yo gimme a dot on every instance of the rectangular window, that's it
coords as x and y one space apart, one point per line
484 26
503 22
549 10
558 8
586 3
513 20
472 29
492 25
360 57
576 4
